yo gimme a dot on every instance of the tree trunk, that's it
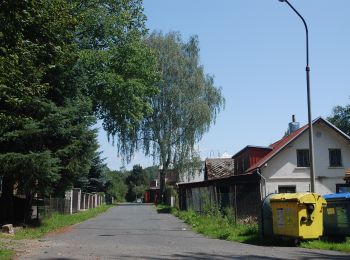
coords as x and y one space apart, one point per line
28 208
6 200
162 186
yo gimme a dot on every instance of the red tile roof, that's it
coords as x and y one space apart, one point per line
279 145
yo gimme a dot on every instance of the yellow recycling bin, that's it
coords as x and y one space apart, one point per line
298 215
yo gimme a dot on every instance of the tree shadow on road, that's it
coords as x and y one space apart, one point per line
304 254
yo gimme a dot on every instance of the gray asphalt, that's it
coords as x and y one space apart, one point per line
139 232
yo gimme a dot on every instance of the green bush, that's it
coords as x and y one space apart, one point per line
217 225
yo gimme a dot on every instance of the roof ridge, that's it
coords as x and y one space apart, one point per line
280 144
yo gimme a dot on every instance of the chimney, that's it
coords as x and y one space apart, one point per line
293 126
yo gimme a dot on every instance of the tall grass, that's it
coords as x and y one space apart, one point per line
223 226
216 224
5 254
327 245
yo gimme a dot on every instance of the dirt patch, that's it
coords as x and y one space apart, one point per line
59 231
20 247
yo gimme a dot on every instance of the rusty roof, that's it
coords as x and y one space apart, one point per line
219 168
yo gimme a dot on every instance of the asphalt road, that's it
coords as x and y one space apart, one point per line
138 232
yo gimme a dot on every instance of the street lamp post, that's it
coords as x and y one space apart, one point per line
311 141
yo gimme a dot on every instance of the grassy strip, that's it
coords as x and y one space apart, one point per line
56 221
5 254
215 225
327 245
221 227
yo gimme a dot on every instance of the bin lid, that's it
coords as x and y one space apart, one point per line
337 196
300 197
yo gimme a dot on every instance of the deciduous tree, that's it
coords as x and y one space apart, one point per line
341 118
184 109
115 65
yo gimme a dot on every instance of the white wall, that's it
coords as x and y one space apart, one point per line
283 170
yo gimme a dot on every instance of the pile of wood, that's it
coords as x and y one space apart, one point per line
347 176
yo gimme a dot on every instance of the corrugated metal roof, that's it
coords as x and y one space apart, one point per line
219 168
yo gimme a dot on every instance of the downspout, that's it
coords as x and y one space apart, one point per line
263 200
262 177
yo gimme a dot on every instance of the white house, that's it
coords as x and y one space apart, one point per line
285 168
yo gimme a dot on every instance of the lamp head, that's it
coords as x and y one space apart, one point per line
282 0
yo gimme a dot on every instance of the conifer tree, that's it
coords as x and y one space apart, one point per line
45 137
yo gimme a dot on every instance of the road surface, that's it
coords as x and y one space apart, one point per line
137 231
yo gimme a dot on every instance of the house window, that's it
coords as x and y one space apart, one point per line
287 189
303 159
335 158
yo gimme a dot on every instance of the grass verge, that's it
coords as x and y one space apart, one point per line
5 254
222 227
327 245
57 221
52 223
215 225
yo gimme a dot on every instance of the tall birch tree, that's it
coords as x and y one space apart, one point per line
185 108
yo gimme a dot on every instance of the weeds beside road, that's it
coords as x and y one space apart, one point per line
5 253
221 226
215 225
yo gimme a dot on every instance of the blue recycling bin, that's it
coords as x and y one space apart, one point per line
336 216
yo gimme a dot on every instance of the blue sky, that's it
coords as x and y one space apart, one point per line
256 52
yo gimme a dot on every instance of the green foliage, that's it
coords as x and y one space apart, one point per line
327 245
341 118
229 214
97 177
215 225
209 207
220 226
151 173
6 254
127 185
137 182
62 63
45 136
185 107
116 185
116 67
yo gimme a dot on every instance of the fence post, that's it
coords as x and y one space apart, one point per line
89 201
82 201
69 196
76 199
95 200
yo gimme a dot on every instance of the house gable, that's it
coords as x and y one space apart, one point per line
281 168
249 156
280 145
